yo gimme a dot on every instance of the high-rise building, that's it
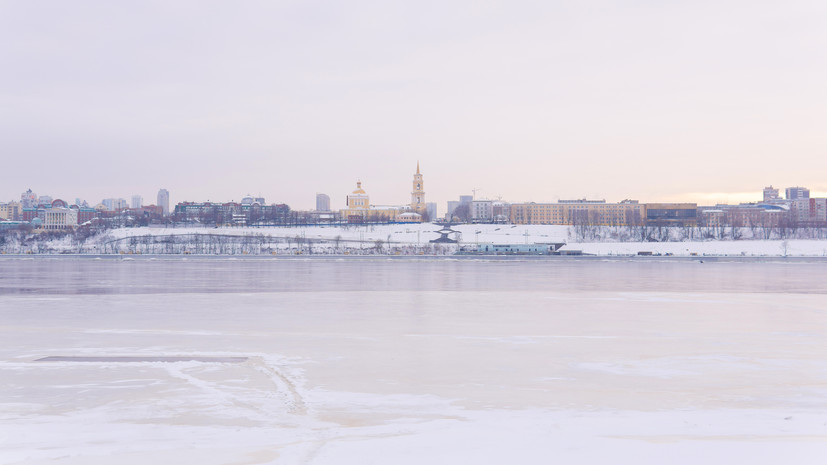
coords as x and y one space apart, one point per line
137 201
418 193
795 193
163 200
115 205
770 194
430 208
322 203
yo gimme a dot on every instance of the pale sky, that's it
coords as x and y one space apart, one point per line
699 101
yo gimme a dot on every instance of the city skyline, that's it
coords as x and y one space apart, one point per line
696 102
728 198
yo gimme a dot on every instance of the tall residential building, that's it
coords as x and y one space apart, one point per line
418 193
322 203
163 200
795 193
137 201
770 194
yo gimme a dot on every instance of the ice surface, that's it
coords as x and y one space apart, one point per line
132 359
412 362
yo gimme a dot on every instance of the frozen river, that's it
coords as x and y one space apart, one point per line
412 361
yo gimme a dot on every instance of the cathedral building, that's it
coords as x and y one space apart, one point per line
360 210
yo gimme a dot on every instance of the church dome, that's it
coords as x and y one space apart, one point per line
359 189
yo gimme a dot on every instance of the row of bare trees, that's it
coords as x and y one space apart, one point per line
671 233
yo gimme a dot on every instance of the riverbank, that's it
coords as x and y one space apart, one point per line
395 239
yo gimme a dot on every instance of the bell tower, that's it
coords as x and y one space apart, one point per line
418 193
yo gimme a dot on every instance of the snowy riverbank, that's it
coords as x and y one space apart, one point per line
402 239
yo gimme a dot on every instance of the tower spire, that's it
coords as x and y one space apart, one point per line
417 167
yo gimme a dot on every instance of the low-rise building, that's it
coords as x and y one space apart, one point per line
579 212
59 218
85 214
501 211
482 211
227 213
671 214
742 215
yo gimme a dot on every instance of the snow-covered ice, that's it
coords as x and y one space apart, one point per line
410 361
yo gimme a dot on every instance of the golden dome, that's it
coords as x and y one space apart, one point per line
359 189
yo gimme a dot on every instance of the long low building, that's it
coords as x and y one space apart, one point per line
601 213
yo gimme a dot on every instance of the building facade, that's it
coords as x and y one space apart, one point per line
601 213
11 211
501 211
795 193
229 213
115 205
28 199
163 201
810 211
59 218
482 211
431 211
573 212
671 214
322 203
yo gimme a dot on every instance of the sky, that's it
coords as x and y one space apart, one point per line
701 101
